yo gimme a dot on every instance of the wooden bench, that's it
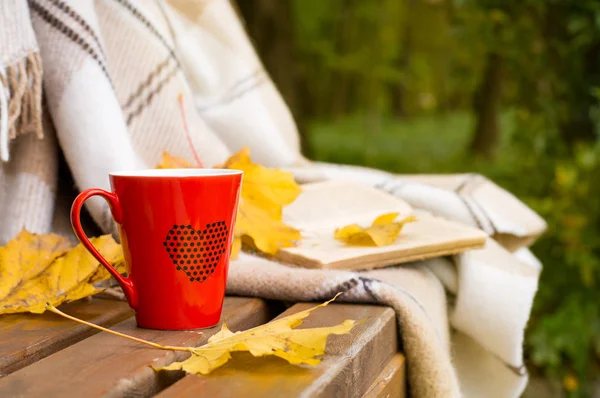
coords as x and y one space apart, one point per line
49 356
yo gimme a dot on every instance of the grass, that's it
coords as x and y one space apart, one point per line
427 144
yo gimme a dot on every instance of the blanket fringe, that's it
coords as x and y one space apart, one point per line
20 101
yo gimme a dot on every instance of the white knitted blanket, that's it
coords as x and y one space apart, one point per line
122 79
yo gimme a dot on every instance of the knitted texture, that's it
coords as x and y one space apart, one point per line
126 80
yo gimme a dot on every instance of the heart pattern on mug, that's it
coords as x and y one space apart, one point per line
196 253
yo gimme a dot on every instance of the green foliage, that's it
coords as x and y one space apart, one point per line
362 50
554 75
356 58
553 342
564 333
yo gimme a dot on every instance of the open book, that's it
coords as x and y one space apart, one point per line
324 207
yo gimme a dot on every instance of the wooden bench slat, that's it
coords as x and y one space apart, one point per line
391 382
111 366
351 364
27 338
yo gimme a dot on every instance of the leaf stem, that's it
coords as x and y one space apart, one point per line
52 308
187 130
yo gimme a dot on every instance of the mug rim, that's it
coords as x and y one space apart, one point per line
175 173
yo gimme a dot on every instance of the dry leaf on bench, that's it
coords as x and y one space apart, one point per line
383 232
264 193
279 338
40 269
27 256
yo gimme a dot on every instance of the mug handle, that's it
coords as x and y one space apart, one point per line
115 209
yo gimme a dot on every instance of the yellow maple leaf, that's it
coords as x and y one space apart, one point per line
265 232
236 247
278 338
264 193
27 256
268 189
57 276
382 232
171 162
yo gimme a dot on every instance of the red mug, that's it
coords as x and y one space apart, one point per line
176 229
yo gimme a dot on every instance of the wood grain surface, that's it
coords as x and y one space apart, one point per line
27 338
391 382
352 362
111 366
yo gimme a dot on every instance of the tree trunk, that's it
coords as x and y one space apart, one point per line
486 106
580 125
398 91
270 26
345 29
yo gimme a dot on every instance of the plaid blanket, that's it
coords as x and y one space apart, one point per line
111 84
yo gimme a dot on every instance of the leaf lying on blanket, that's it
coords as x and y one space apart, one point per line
384 231
264 193
36 269
171 162
279 338
267 233
268 189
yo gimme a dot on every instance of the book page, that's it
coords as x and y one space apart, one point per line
325 206
333 204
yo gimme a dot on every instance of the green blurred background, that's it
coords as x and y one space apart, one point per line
509 89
